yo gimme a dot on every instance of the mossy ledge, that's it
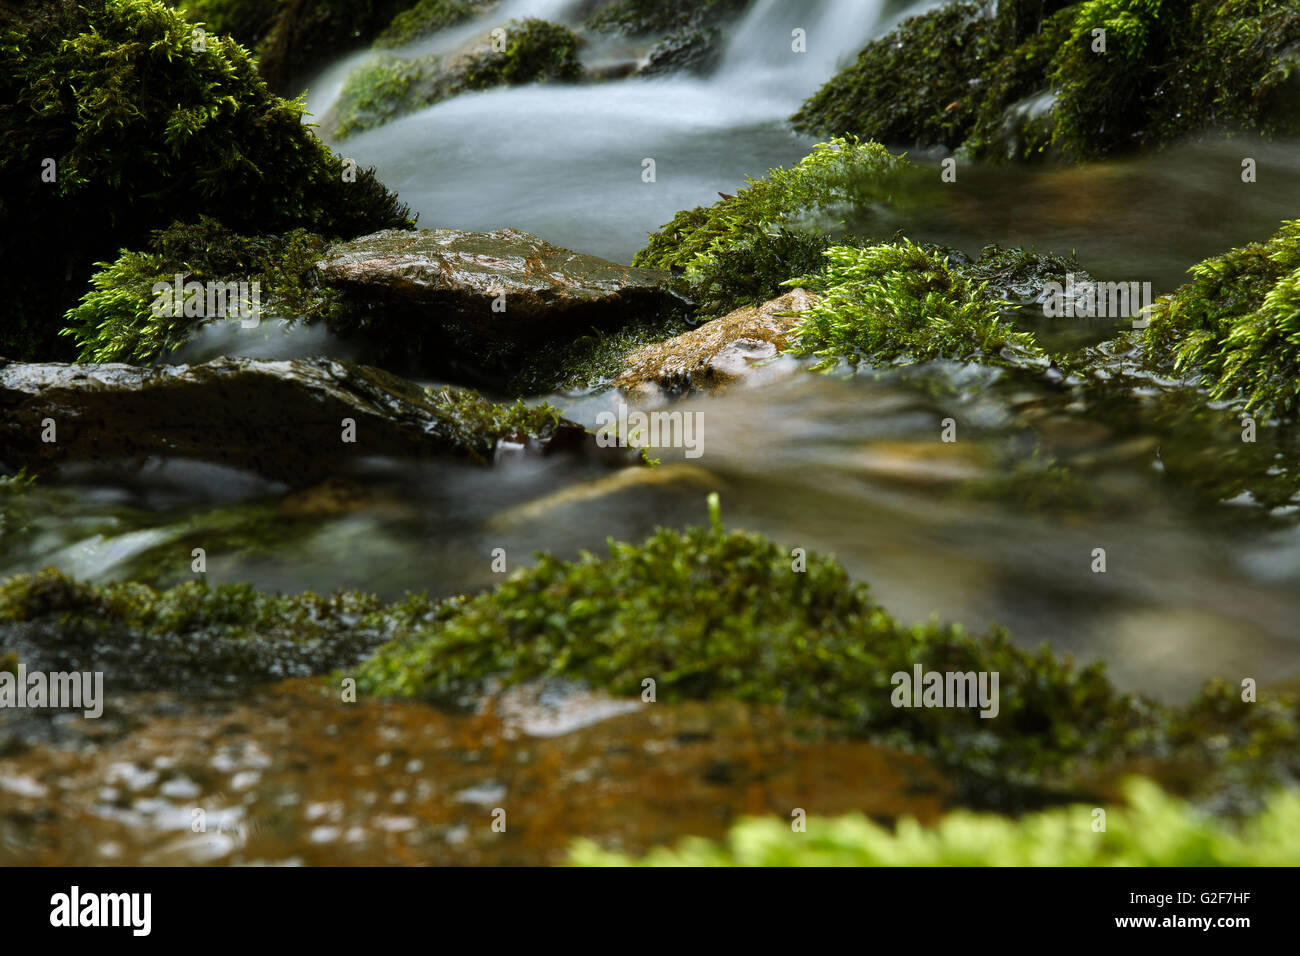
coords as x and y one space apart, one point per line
189 638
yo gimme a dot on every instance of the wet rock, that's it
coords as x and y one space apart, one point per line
718 352
285 420
690 50
479 291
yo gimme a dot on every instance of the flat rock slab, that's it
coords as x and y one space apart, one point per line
280 419
718 352
506 285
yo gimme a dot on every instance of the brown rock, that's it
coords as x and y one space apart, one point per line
718 352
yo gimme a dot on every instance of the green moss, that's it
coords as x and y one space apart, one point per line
116 322
390 86
1237 324
919 84
144 129
1102 96
707 613
899 301
1000 133
713 614
15 504
425 18
740 250
244 20
1238 68
382 89
190 636
1151 829
1169 69
479 424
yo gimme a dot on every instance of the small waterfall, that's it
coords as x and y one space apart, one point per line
762 47
565 161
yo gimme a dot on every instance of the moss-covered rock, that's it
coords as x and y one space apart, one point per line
591 360
741 249
689 49
1015 117
901 302
144 123
190 638
1151 829
921 84
710 613
707 614
389 86
1038 79
713 614
283 420
1237 324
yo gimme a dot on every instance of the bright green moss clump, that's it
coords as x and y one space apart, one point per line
899 301
740 250
708 613
1153 829
390 86
1237 323
143 129
912 85
712 614
116 320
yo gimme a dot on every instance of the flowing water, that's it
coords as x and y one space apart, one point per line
1193 589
